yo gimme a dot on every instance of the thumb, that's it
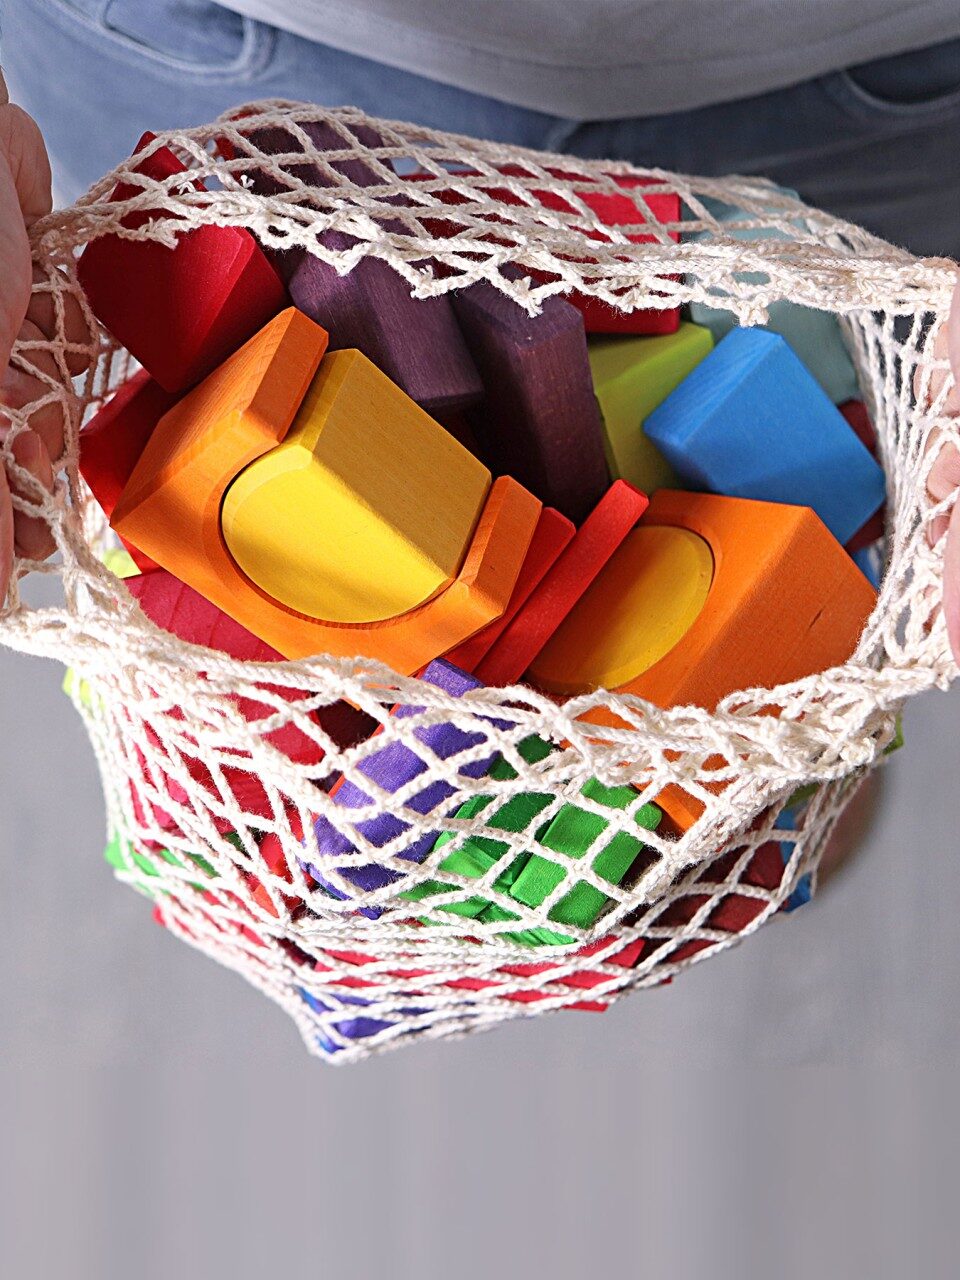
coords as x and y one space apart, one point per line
6 536
951 582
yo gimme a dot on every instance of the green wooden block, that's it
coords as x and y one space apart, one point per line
119 561
631 376
530 878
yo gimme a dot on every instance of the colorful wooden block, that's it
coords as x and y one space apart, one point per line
531 878
180 311
390 500
176 607
750 422
631 376
416 342
113 440
539 420
592 546
550 539
785 601
814 336
393 767
171 509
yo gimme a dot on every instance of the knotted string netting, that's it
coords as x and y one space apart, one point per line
208 762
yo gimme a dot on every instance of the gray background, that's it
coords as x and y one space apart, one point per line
788 1109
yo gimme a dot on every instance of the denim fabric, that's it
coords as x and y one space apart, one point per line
877 144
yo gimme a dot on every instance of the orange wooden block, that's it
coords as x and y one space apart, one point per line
172 503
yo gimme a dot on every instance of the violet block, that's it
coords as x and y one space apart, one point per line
391 769
539 421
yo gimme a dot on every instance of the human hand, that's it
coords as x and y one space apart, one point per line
945 478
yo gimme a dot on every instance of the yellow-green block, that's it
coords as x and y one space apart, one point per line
631 376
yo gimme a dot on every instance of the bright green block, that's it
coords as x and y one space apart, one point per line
631 376
529 879
121 855
814 336
119 561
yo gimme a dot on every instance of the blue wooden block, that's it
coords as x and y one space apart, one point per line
750 422
814 336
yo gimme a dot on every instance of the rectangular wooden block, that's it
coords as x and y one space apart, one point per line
180 311
113 440
750 422
592 546
416 342
552 535
395 766
631 376
539 421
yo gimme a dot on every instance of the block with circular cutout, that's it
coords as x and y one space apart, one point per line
171 508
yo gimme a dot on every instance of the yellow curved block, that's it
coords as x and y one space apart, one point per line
644 601
364 511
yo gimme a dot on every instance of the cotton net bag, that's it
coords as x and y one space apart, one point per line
381 944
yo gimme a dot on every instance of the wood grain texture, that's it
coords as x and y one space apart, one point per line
416 342
180 311
367 507
539 420
590 549
751 422
171 507
631 376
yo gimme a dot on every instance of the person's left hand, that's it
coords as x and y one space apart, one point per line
944 480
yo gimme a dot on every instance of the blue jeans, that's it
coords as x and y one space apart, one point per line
878 144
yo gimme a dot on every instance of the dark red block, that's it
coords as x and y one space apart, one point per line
539 421
594 543
180 311
112 441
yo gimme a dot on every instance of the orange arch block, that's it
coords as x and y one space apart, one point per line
170 508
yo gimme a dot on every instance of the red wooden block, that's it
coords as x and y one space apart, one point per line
551 536
855 412
594 543
112 441
176 607
180 311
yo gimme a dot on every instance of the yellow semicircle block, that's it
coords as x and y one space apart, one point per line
648 596
365 510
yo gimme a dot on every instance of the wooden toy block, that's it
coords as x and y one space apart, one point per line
389 498
180 311
112 441
176 607
814 336
750 422
395 766
539 421
592 546
417 343
171 509
531 878
855 412
552 534
785 601
631 376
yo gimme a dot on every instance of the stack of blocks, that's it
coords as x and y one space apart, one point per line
286 481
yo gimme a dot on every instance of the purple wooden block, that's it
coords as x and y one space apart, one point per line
416 343
539 421
391 768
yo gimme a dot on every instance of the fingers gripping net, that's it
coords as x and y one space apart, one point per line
443 905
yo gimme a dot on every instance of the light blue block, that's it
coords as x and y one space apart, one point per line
814 336
750 422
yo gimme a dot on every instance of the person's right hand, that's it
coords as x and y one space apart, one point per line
944 480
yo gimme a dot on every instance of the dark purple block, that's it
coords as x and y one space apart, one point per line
391 768
539 421
416 343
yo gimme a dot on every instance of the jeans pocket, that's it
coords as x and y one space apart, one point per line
915 88
195 39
